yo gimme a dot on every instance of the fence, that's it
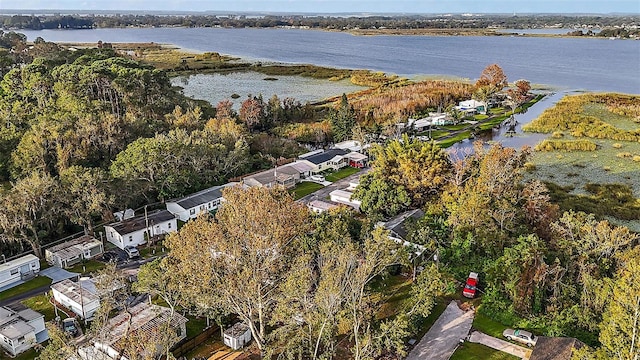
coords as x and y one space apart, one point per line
187 345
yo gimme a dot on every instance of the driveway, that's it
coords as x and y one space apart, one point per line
499 344
445 334
323 194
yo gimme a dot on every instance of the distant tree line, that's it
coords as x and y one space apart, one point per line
322 22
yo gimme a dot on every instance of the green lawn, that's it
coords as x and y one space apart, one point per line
27 355
473 351
456 127
195 326
89 266
155 250
341 174
42 305
29 285
452 140
488 326
305 188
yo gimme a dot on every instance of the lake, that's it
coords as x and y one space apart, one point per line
217 87
564 63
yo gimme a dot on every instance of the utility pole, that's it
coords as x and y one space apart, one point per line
146 221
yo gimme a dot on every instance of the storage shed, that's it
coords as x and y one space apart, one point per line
237 336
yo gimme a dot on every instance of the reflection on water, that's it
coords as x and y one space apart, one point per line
217 87
513 136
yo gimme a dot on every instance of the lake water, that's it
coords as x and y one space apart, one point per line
217 87
565 63
515 138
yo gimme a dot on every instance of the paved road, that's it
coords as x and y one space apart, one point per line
445 334
499 344
25 295
323 194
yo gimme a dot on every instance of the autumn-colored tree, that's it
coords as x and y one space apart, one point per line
241 258
523 87
224 110
252 112
188 120
492 76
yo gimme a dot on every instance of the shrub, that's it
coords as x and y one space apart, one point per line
530 167
566 145
606 168
557 134
624 155
617 146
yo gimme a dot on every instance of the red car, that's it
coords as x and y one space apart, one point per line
470 287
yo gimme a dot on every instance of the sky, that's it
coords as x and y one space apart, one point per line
339 6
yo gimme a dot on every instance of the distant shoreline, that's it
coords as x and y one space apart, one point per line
368 32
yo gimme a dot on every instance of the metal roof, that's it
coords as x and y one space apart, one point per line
397 224
74 247
200 198
80 292
325 156
18 262
139 222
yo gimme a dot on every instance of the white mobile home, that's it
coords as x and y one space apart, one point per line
344 197
80 297
74 251
19 269
21 328
136 231
190 206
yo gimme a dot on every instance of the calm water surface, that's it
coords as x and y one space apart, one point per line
568 63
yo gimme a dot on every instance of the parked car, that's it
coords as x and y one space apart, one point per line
132 252
109 256
469 290
69 326
521 336
318 178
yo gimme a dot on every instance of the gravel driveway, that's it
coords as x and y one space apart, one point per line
445 334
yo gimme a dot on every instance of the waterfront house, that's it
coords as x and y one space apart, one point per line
22 268
21 328
472 107
74 251
190 206
138 230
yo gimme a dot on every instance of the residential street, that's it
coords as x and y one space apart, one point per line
445 334
499 344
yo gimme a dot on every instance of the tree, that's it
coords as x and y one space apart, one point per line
342 120
27 209
381 197
84 195
419 168
492 76
620 327
242 256
253 112
59 346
